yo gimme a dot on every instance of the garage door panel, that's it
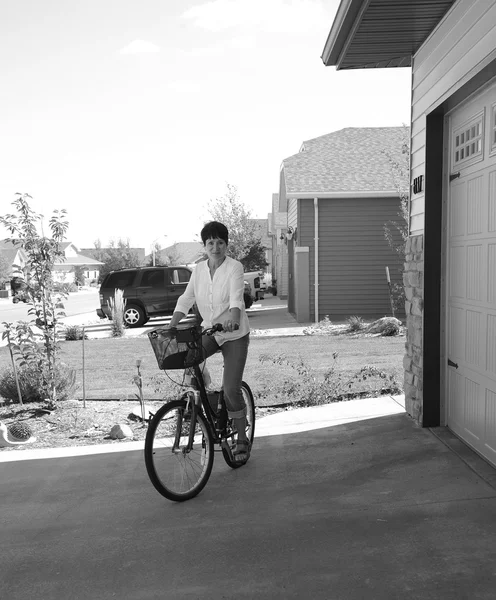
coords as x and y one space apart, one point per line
456 407
491 346
457 272
475 206
473 339
475 281
474 410
492 201
458 209
490 418
457 338
491 274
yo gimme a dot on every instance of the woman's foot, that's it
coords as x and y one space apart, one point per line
241 451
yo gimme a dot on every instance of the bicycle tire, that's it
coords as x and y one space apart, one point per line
176 474
250 431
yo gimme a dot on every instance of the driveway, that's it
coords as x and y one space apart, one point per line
375 508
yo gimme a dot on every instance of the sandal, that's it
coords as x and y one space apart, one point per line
241 452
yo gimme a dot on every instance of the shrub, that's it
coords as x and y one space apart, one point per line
117 307
74 332
355 323
31 383
309 388
391 329
322 327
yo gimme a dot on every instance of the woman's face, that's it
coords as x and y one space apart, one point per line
216 249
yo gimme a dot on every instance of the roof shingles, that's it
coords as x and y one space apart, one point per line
354 159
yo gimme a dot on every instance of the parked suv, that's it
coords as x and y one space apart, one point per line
148 291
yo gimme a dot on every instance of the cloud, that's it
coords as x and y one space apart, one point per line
140 47
274 16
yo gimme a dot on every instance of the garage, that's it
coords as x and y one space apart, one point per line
450 257
471 281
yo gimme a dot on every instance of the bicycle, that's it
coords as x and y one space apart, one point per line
179 444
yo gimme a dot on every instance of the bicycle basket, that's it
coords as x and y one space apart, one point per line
177 349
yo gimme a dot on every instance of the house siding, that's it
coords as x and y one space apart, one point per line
353 254
459 47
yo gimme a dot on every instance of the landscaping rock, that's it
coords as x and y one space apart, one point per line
121 431
382 324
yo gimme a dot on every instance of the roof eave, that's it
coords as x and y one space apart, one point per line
340 31
343 194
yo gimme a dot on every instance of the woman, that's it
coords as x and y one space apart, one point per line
217 286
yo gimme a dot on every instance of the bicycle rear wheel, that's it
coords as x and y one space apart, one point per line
250 427
175 472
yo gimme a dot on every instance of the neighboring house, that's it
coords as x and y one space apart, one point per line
278 225
339 192
180 253
15 258
450 280
64 270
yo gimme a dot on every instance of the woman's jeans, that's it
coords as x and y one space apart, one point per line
234 353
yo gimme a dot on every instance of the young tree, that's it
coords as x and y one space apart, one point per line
46 307
254 260
230 210
116 256
396 232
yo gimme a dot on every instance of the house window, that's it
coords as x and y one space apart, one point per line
469 141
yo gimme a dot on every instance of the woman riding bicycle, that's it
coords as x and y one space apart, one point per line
217 286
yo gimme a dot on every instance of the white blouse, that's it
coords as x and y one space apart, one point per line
216 295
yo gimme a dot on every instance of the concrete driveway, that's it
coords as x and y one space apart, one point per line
376 508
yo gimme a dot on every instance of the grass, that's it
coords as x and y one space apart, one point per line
110 365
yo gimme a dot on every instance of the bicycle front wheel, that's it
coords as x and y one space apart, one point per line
177 472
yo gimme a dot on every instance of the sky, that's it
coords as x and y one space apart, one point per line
134 114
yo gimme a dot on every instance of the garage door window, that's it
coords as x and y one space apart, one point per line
469 141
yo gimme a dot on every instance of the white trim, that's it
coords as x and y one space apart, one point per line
302 249
330 195
316 266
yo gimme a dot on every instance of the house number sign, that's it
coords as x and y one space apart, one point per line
418 184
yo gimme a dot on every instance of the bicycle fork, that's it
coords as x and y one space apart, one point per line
192 406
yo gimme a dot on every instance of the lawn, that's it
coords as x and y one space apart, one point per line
110 363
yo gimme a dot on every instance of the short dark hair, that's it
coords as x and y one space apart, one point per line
213 230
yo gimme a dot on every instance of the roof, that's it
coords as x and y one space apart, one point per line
381 33
350 160
9 254
184 253
79 260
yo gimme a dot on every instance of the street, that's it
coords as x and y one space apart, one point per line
77 303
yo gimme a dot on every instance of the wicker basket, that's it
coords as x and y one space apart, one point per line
179 348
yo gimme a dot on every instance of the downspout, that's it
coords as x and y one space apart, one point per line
316 266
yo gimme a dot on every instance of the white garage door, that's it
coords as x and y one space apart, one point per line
471 274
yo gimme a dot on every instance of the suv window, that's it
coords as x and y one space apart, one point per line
180 276
120 279
153 278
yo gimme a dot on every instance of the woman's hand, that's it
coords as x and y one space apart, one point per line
230 325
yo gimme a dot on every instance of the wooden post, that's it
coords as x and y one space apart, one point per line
84 386
390 291
14 368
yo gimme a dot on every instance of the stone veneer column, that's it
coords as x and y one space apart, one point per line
413 279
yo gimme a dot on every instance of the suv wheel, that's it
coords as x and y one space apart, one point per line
134 316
